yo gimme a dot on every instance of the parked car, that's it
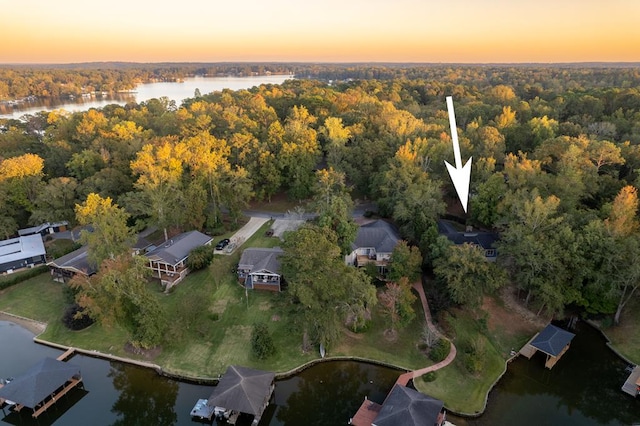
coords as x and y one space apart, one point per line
222 244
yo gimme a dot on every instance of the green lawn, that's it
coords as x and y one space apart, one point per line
625 337
464 392
210 324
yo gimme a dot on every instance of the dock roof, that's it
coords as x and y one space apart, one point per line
552 340
39 382
243 389
405 406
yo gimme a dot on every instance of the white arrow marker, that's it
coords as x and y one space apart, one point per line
460 176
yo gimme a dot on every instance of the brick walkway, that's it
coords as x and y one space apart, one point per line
404 378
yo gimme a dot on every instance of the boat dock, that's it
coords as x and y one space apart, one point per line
632 383
528 350
552 341
42 385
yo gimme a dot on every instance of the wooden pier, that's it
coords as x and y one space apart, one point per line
1 399
68 354
632 383
528 350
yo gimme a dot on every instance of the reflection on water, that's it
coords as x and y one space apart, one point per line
330 393
582 389
176 92
143 400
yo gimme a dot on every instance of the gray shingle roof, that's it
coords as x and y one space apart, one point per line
178 248
20 248
258 259
243 389
76 261
552 340
379 235
39 382
407 407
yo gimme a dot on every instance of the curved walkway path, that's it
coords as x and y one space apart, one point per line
404 378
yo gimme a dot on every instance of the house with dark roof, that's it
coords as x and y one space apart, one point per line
21 252
483 239
168 261
374 243
76 262
402 406
259 268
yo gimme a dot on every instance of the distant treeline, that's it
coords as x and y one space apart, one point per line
63 80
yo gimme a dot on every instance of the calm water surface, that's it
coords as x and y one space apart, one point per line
174 91
120 394
582 389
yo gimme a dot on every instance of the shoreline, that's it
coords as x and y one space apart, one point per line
37 328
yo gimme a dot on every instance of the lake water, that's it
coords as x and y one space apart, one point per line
174 91
120 394
582 389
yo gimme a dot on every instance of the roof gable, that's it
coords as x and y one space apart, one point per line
77 261
257 259
178 248
379 235
407 407
552 340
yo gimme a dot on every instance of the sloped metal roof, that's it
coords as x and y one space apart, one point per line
20 248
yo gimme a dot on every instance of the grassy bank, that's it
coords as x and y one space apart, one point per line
210 324
625 337
484 339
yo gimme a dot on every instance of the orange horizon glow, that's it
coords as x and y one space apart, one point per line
456 31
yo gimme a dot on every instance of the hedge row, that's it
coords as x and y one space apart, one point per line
8 281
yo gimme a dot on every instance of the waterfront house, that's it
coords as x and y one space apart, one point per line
482 239
259 268
21 252
374 243
168 261
64 268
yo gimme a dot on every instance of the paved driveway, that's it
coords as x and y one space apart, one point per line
244 233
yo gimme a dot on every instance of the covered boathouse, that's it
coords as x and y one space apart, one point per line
552 340
240 391
40 386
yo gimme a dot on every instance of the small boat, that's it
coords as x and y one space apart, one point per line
322 351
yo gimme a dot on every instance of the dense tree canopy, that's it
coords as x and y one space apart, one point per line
553 148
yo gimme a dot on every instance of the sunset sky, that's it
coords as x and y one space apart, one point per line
470 31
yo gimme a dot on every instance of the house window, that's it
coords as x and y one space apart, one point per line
490 253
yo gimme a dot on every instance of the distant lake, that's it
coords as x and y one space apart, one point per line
174 91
